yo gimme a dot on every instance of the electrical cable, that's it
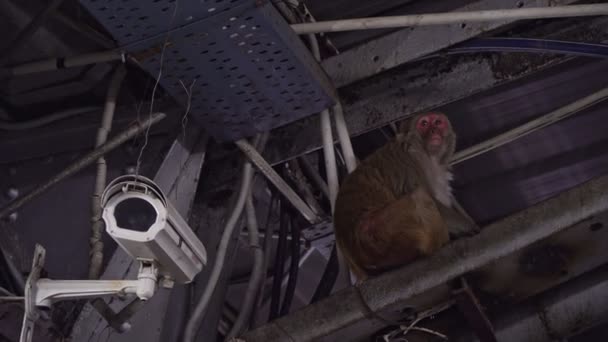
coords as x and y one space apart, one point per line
267 255
294 267
530 45
279 263
328 279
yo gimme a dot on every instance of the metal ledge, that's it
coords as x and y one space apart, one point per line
392 290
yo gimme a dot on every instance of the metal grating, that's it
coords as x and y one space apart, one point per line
251 72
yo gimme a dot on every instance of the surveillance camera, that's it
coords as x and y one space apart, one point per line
141 220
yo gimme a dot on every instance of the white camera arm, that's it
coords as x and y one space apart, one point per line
44 292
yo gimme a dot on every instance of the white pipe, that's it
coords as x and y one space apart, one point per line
341 128
201 307
331 169
330 158
344 137
450 18
61 63
96 254
257 272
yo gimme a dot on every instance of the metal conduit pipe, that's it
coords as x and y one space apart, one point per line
83 162
96 253
394 288
450 18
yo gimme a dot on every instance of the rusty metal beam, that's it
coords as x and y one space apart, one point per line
408 44
403 92
392 290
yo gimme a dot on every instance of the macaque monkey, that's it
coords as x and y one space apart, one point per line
398 204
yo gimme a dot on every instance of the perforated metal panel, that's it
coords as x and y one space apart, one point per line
251 73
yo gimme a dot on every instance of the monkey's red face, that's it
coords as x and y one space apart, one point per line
433 128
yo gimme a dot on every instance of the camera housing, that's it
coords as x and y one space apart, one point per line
139 218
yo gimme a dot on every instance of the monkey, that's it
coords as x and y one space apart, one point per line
397 205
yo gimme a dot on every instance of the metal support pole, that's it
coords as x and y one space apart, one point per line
393 289
265 168
450 18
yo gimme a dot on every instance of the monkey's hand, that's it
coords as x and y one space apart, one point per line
458 225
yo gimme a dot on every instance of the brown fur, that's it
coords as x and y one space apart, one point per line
385 213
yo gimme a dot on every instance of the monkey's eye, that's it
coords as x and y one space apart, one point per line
424 123
437 122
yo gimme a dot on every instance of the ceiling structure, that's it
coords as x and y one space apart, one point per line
381 76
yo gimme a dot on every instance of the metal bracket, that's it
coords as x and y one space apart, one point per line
42 292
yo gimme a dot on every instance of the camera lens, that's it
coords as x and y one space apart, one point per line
135 214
